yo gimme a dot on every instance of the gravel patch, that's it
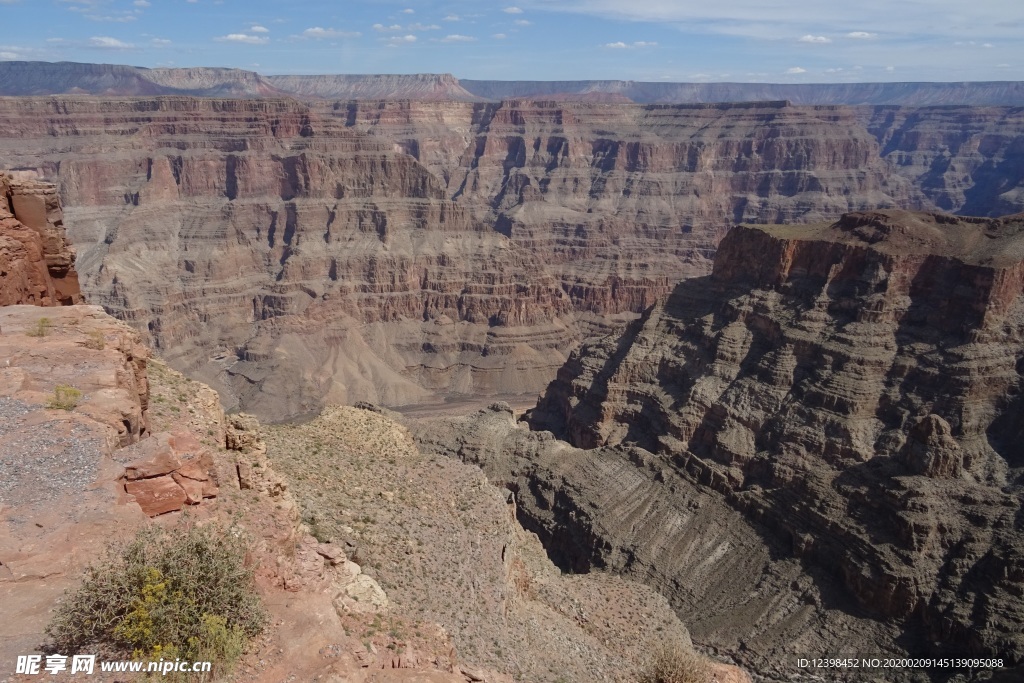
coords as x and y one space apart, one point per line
43 461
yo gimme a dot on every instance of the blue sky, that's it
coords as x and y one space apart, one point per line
781 41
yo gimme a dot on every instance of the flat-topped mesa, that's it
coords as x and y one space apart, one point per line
961 275
37 265
856 387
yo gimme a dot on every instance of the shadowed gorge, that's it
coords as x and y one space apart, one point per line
849 390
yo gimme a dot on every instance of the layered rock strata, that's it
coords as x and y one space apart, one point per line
625 510
295 254
21 78
37 265
853 388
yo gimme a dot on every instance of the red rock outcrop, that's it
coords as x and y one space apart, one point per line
855 388
37 265
170 471
295 254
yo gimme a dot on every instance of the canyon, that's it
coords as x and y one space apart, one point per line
812 449
815 448
100 439
296 254
801 431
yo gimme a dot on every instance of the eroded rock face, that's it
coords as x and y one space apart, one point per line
295 254
854 387
37 265
931 449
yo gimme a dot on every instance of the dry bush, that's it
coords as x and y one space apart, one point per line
676 664
65 397
96 341
41 329
165 593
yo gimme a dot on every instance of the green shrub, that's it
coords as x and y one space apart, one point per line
675 664
165 593
42 327
65 397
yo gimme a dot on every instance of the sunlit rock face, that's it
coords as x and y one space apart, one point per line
295 254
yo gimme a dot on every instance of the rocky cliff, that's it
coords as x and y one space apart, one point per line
97 437
295 254
18 78
853 389
37 265
111 80
976 93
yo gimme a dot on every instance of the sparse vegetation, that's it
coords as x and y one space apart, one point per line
65 397
166 593
676 664
41 329
96 341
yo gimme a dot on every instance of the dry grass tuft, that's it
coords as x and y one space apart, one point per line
65 397
675 664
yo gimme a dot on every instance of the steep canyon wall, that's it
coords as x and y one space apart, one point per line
853 390
293 254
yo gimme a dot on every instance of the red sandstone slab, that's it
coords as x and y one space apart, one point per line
158 495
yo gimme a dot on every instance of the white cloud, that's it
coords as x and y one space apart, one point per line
512 10
398 40
122 17
318 32
423 27
522 22
4 54
259 29
242 38
160 42
815 39
453 17
890 68
55 40
796 70
408 11
499 36
108 43
860 35
989 20
383 28
142 3
619 45
456 38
